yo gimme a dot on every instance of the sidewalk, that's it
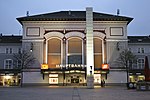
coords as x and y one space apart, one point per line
67 93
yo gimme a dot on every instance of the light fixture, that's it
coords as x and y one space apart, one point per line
64 40
105 66
7 77
31 48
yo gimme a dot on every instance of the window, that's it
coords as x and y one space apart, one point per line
132 64
18 63
8 50
97 52
140 63
19 50
74 51
54 52
141 50
8 64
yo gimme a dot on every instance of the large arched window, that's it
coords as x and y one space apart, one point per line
97 52
54 52
74 51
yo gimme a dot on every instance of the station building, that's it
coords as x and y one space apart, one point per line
70 45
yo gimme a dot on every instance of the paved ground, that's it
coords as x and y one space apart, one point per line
71 93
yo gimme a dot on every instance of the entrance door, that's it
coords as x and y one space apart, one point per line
75 80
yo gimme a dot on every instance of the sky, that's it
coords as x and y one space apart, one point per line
137 9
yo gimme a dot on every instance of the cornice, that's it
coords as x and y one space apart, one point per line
74 22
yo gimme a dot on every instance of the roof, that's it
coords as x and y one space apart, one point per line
139 39
73 16
10 39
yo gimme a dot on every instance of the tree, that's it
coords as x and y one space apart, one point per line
23 60
125 58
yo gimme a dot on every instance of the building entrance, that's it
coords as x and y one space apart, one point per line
75 80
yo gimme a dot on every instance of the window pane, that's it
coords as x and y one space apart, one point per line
138 50
19 50
97 45
7 50
97 61
140 63
18 63
54 60
97 53
10 50
142 50
75 59
74 45
54 46
8 64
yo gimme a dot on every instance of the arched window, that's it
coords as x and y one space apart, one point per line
74 51
54 52
97 52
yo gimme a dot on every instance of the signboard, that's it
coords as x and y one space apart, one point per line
44 66
97 78
53 78
70 65
105 66
53 75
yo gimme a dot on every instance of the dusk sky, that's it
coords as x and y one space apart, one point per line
137 9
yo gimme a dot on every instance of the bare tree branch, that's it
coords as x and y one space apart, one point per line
125 57
26 59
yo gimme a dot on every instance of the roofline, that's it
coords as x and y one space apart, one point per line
29 18
105 19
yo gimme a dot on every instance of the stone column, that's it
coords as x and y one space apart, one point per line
89 48
64 58
64 51
44 52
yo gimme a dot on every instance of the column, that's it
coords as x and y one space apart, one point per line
89 48
83 52
44 52
64 51
103 52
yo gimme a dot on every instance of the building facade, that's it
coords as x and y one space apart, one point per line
139 46
9 45
71 45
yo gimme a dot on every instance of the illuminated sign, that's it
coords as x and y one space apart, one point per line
53 80
97 78
53 75
44 66
70 65
105 66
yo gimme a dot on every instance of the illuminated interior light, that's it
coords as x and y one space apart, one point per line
7 77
